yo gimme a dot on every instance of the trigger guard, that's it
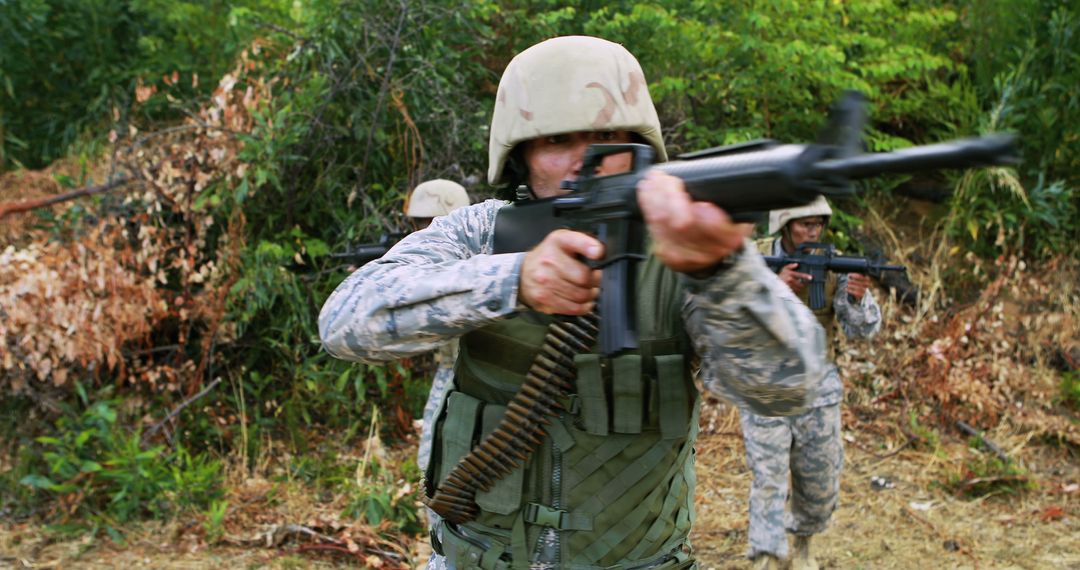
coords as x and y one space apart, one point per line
606 262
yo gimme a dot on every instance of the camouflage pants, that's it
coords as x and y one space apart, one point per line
807 448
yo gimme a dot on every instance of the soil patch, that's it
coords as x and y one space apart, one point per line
895 508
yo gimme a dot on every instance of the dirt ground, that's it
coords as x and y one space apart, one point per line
895 512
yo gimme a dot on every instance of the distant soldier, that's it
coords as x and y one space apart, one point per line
428 201
432 199
807 447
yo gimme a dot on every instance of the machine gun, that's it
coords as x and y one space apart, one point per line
363 253
817 259
745 178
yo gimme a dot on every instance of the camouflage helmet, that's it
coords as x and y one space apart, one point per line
436 197
565 85
779 218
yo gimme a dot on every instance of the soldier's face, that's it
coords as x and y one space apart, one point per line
805 229
555 158
420 223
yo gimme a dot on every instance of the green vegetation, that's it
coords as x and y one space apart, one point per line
69 68
988 476
103 474
365 98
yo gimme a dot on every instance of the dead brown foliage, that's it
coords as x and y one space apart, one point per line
143 275
988 343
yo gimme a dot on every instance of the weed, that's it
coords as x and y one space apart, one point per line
1070 389
988 476
923 436
215 520
101 476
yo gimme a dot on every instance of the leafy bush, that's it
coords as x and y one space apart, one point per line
95 468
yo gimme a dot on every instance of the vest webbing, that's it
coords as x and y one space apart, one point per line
625 445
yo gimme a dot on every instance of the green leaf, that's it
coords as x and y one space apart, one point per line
90 467
83 437
241 191
38 482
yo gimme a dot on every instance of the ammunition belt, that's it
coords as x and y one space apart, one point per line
550 379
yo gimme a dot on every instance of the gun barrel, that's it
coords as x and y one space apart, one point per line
992 150
366 252
755 181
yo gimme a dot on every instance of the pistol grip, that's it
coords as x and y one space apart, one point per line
618 323
817 293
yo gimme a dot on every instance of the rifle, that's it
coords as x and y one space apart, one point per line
752 177
365 252
817 264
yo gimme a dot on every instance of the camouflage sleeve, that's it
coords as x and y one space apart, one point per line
760 347
859 320
434 285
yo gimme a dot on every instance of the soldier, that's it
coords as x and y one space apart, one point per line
806 447
612 484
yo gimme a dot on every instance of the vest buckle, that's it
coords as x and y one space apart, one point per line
543 515
535 513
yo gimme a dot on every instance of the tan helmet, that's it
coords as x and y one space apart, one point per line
779 218
570 84
436 197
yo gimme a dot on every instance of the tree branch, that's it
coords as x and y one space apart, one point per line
27 205
153 429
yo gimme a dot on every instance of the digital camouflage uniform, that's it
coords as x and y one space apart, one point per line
806 447
440 385
758 344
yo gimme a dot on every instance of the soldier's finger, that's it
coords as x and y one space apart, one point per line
575 273
576 243
714 231
664 203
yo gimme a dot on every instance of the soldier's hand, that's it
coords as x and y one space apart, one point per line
688 236
555 280
857 285
794 279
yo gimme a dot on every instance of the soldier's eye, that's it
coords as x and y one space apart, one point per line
557 139
605 136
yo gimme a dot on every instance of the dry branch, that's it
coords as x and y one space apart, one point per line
966 428
27 205
153 429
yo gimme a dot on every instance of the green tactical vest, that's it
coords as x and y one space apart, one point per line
825 315
615 476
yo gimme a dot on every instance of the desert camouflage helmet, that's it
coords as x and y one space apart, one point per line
779 218
570 84
436 197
